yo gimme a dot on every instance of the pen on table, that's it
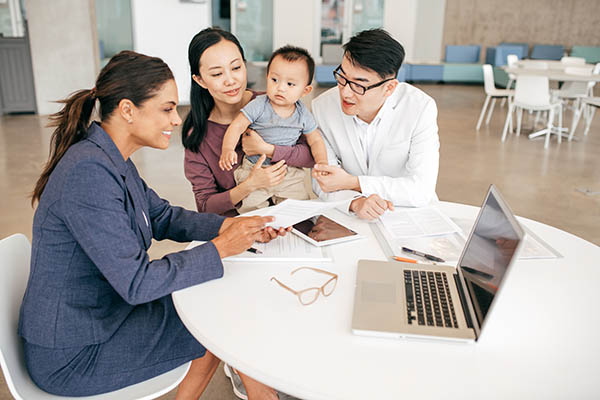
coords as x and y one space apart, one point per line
410 260
420 254
253 250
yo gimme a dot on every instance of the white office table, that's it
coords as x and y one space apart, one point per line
554 74
540 340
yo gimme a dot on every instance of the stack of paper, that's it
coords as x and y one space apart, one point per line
283 248
416 222
290 212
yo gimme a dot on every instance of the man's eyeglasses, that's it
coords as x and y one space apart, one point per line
355 87
310 295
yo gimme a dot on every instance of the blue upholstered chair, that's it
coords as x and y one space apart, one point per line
503 51
404 73
524 48
547 52
462 54
324 74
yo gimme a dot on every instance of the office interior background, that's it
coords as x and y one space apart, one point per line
51 49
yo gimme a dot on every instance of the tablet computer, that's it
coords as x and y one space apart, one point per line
322 231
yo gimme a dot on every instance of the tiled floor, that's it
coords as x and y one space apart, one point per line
544 185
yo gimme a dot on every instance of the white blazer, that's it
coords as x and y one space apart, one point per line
403 154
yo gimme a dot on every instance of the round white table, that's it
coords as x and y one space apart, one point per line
540 340
554 74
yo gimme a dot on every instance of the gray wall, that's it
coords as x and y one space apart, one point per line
63 49
489 22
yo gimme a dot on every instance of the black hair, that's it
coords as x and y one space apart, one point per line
293 53
201 101
128 75
376 50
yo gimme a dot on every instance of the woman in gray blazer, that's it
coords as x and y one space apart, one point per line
97 313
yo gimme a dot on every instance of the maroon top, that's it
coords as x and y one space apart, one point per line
211 185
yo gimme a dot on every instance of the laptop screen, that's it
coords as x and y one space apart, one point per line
487 254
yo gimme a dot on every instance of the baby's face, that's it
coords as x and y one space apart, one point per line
287 81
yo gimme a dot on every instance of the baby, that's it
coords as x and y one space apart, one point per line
280 118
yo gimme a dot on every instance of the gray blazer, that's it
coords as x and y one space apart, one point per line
89 266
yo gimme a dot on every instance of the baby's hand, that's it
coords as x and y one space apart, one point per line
228 160
318 163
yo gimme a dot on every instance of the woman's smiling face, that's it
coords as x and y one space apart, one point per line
223 72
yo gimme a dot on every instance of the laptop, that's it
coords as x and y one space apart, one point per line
402 300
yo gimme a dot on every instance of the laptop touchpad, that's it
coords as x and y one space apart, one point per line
377 292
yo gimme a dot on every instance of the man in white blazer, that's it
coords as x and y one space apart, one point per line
381 135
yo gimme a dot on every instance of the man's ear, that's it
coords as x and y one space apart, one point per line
390 87
199 81
126 110
307 90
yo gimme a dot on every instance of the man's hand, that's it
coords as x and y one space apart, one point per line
332 178
253 144
371 207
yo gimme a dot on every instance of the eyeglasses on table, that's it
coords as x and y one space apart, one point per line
310 295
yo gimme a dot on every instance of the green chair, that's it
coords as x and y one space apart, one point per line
590 53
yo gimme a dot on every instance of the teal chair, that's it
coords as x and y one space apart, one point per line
590 53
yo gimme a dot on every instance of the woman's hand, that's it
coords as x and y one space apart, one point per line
266 177
270 234
237 234
253 144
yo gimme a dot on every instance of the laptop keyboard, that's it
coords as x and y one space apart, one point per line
428 295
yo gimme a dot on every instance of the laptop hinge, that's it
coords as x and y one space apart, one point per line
463 301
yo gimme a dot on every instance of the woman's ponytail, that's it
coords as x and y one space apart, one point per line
71 124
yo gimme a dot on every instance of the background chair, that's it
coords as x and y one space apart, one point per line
491 93
511 61
547 52
461 64
462 53
588 106
533 93
576 90
15 254
590 53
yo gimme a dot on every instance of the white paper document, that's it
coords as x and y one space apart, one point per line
284 248
290 212
417 222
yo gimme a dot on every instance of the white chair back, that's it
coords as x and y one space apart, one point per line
15 253
532 91
572 61
511 60
488 79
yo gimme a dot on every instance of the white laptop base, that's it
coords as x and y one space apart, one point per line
381 310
